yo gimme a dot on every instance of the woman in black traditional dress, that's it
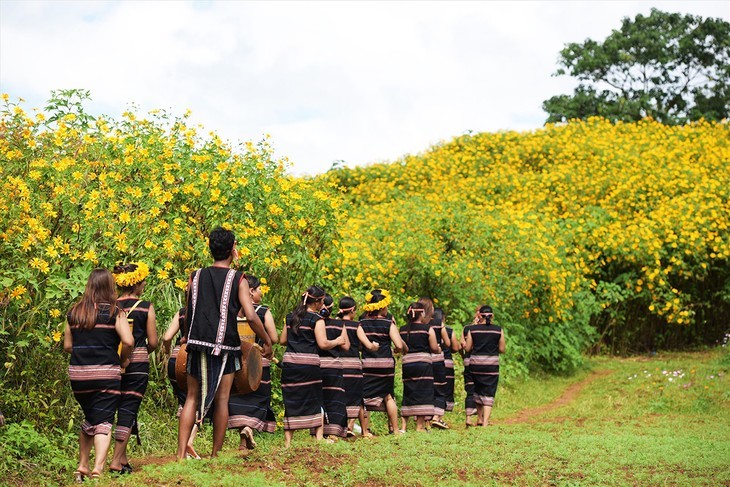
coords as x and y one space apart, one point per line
378 366
470 407
252 411
177 327
333 390
418 387
439 370
352 368
131 281
485 342
95 326
301 378
449 363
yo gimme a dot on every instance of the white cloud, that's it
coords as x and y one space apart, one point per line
355 81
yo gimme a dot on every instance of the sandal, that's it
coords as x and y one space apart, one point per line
79 477
247 434
127 468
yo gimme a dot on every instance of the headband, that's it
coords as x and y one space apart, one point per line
129 279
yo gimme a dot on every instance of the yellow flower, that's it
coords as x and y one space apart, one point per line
55 313
56 336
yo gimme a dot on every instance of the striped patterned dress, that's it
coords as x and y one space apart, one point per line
378 368
333 391
95 373
254 409
418 387
449 364
352 371
179 394
470 406
136 375
439 375
484 362
301 377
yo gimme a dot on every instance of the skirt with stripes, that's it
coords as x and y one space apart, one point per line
485 372
470 407
209 369
439 384
418 387
333 396
352 382
96 389
301 386
254 409
378 375
133 387
449 364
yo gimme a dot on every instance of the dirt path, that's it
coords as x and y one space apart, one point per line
529 415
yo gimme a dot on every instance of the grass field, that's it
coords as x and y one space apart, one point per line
662 420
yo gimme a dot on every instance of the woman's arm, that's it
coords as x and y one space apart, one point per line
320 335
455 344
152 341
502 344
172 329
345 346
469 343
445 337
432 341
244 297
283 337
125 335
68 340
271 327
398 343
370 346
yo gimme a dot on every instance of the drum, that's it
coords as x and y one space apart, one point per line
248 378
181 368
245 331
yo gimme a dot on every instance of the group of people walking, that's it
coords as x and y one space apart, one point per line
337 368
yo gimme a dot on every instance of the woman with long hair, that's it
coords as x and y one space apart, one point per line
378 365
131 280
252 412
418 387
485 342
95 327
301 378
333 390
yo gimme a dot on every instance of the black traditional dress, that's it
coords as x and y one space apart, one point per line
179 394
213 345
352 371
418 387
95 372
439 374
301 377
378 367
333 391
254 409
449 364
484 362
136 375
469 404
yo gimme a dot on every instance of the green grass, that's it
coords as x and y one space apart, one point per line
628 425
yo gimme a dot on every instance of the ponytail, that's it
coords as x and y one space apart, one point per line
311 295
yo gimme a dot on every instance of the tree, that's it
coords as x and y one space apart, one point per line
668 66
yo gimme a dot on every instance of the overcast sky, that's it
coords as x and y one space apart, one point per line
354 81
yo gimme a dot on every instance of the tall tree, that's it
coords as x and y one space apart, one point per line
668 66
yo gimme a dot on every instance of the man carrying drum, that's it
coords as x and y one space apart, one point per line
215 296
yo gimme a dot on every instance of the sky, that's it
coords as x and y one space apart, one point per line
355 82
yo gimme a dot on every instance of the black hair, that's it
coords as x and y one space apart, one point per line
438 317
415 310
313 294
346 303
221 242
377 296
253 281
484 310
326 310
